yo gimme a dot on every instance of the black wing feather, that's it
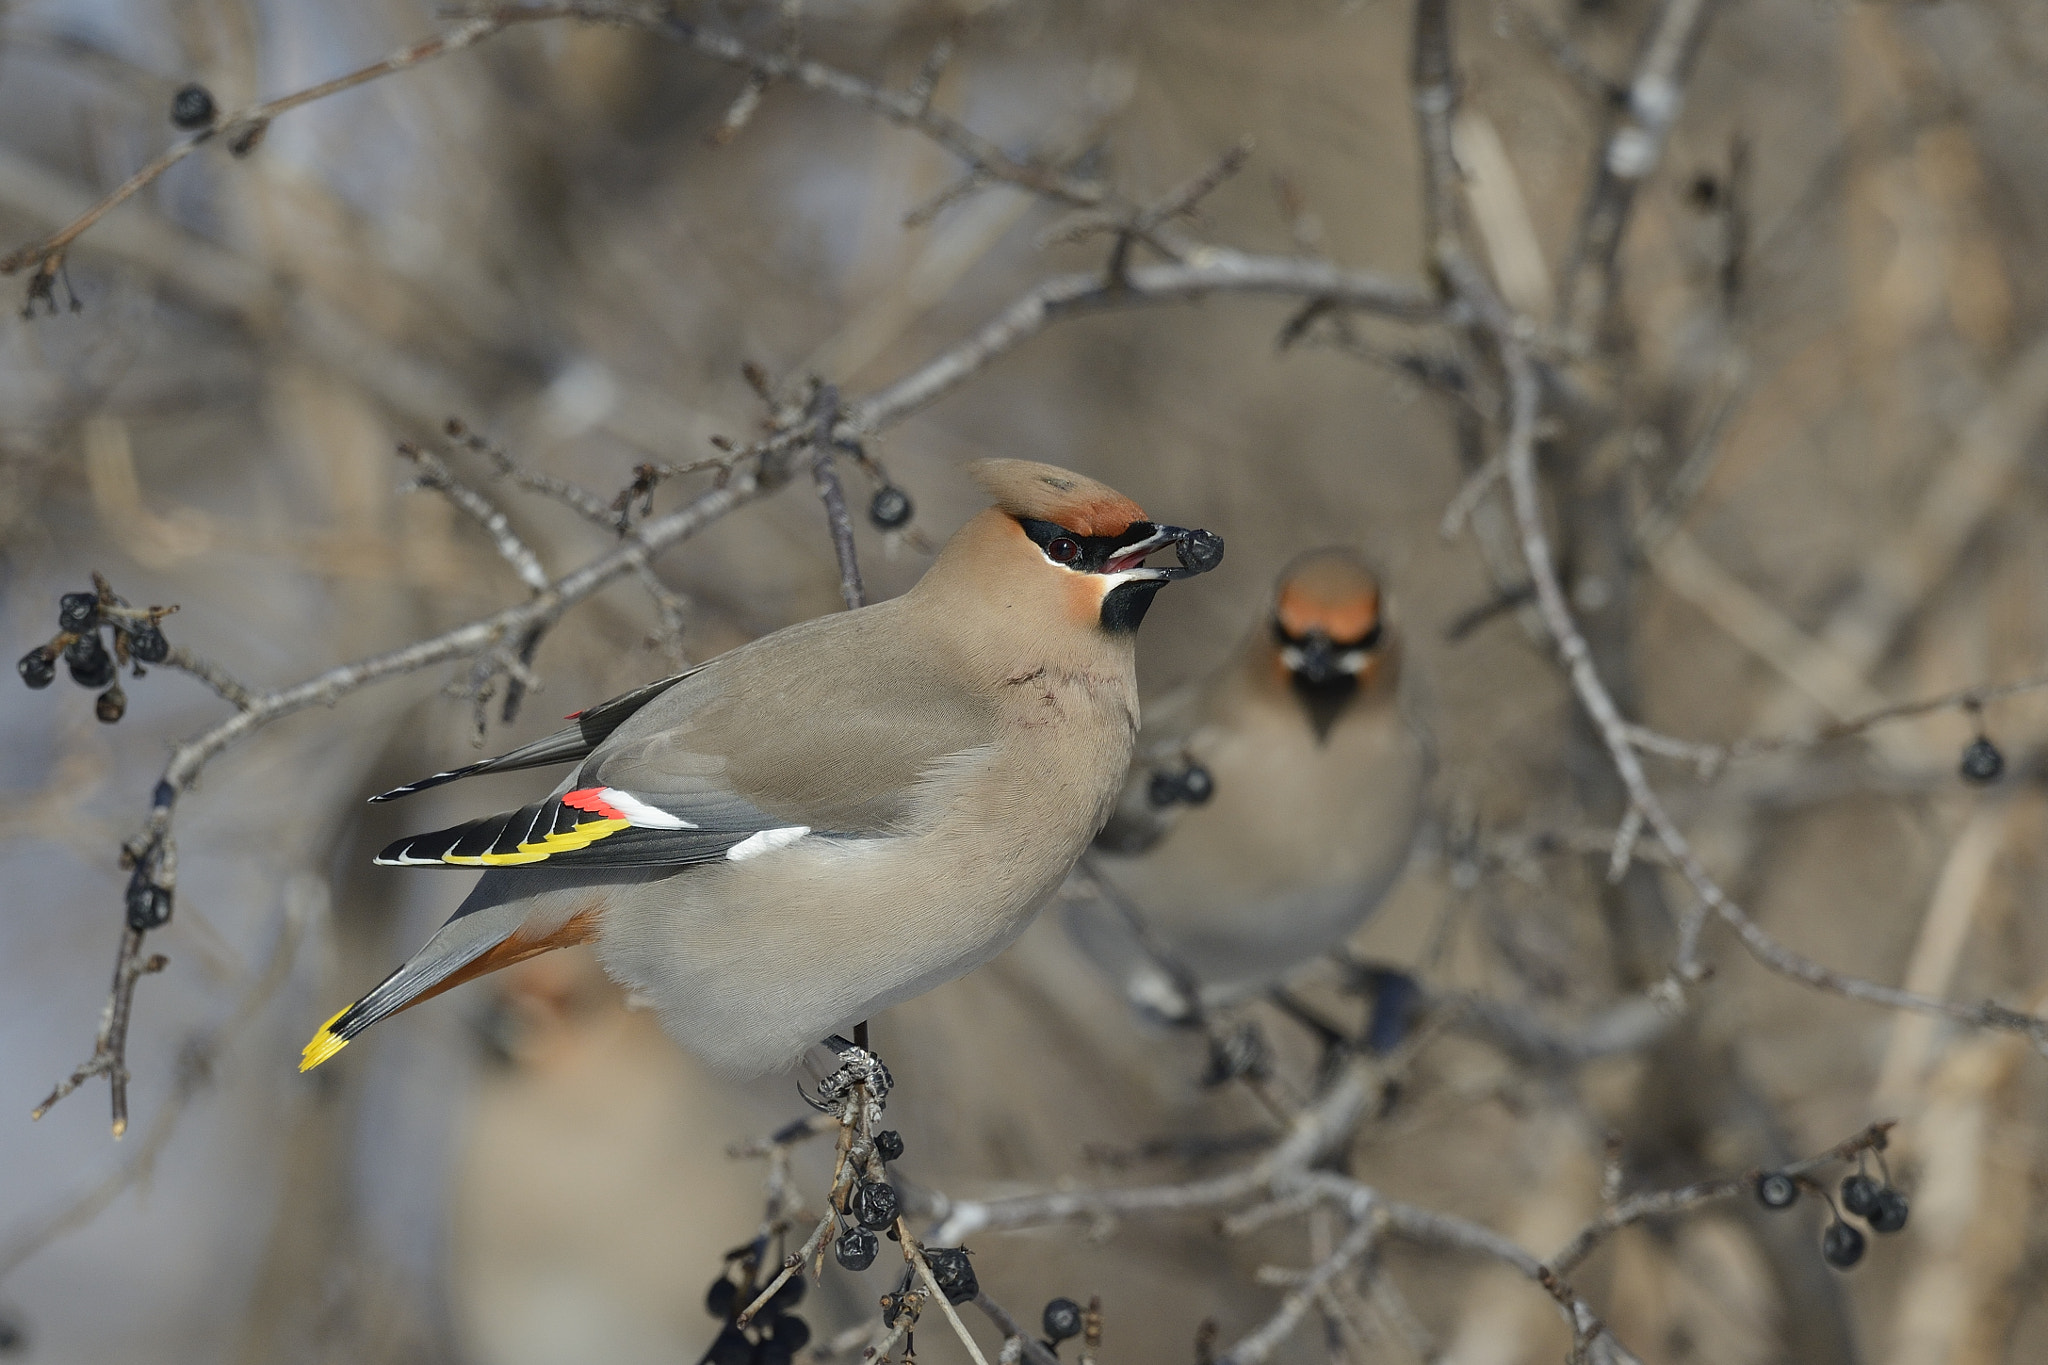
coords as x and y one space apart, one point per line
563 746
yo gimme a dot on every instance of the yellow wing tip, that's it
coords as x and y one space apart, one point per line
324 1044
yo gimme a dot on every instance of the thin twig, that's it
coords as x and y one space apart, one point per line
1663 1203
1631 151
1032 1348
1259 1344
242 128
435 474
823 415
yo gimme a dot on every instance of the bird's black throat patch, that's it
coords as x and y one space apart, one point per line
1324 699
1124 606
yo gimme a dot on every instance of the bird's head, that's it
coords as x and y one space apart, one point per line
1328 637
1080 543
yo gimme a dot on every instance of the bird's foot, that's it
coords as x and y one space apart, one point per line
858 1067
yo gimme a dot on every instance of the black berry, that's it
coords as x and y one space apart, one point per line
772 1351
1841 1246
1200 551
889 1145
1890 1213
790 1332
1776 1190
38 667
789 1296
192 107
1196 785
149 905
719 1300
111 705
1061 1319
874 1205
856 1250
890 508
90 664
146 643
953 1272
78 612
1859 1194
1982 763
1163 790
731 1348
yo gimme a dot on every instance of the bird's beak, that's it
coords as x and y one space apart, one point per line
1314 660
1198 551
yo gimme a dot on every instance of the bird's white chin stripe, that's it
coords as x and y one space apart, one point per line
1109 581
1350 661
639 813
765 841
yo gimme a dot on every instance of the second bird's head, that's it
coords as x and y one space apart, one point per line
1328 634
1078 544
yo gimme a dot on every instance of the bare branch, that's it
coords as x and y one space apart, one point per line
436 475
823 416
1634 146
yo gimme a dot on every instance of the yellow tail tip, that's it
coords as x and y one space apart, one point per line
324 1045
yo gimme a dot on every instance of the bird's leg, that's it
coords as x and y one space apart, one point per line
1395 999
1336 1044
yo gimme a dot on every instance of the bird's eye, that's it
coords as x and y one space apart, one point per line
1063 549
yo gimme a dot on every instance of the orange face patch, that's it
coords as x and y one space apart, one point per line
1344 617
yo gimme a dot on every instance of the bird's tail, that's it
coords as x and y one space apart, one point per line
490 931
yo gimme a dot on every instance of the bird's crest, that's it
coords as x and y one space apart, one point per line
1044 492
1331 591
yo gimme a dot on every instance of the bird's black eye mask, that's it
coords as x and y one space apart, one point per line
1198 551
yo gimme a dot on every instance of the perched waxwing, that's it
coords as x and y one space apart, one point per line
1269 807
835 817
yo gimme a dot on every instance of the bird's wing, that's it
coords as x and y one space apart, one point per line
834 726
593 726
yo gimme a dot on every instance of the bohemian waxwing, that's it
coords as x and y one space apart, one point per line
837 816
1269 805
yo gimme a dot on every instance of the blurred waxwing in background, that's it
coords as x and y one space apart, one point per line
1269 806
841 815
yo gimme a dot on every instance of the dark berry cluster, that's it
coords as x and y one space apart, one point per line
98 633
873 1206
1878 1203
1191 786
775 1334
